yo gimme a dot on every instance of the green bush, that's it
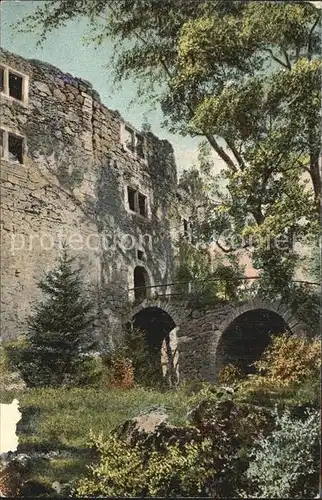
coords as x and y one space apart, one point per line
90 372
230 375
196 468
206 458
119 473
286 463
12 352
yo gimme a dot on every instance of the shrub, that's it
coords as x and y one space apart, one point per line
286 363
202 468
285 464
12 351
230 374
120 471
122 373
206 458
90 372
124 470
130 353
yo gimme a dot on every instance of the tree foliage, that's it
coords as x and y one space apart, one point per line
200 276
246 77
204 281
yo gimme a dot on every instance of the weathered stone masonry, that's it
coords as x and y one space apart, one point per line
73 185
73 170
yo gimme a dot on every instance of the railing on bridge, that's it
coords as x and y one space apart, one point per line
249 286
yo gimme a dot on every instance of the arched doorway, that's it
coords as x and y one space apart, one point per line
159 331
141 282
247 336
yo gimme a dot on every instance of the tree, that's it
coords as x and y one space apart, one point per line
246 77
201 191
209 283
205 279
60 330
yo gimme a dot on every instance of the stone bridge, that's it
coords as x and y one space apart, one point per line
197 343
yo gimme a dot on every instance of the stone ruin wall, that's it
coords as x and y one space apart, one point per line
73 184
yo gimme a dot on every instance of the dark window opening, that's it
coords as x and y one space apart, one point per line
15 86
15 148
185 228
142 204
131 198
140 283
140 146
140 255
137 201
1 79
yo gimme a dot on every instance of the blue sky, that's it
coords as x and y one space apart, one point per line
64 49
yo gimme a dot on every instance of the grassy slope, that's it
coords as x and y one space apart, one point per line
61 419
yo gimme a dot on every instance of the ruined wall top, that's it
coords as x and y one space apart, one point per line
49 82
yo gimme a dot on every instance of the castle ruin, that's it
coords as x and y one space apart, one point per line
73 170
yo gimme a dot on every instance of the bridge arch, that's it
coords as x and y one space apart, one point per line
177 312
244 334
159 322
199 337
277 306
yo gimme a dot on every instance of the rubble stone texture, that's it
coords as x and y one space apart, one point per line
72 186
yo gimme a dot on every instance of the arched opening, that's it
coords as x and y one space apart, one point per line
141 281
245 339
155 324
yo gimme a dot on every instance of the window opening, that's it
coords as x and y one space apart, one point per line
15 86
15 148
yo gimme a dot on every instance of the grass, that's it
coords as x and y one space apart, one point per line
61 419
67 415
